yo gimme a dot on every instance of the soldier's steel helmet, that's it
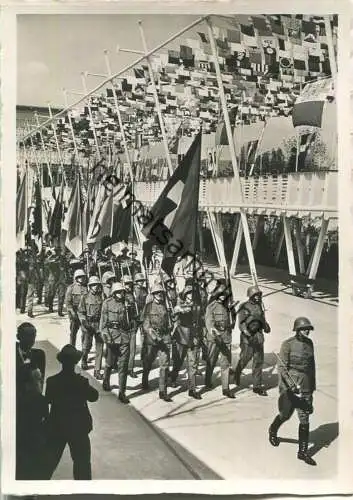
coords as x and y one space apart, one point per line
157 288
253 290
79 273
24 329
108 275
139 277
94 280
302 323
117 287
127 279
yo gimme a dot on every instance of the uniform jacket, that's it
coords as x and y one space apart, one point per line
68 395
155 319
89 311
74 293
184 333
217 317
298 357
114 324
246 311
130 305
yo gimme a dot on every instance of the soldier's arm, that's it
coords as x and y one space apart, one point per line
82 311
284 365
68 301
243 314
103 323
314 371
209 320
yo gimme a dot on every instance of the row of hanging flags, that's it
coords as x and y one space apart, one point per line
105 217
186 85
265 60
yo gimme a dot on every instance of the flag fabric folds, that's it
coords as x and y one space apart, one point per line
309 106
73 223
37 226
101 220
174 214
121 220
305 144
56 218
21 212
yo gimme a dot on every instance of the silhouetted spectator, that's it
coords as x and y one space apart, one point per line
70 421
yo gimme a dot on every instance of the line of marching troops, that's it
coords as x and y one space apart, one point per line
115 301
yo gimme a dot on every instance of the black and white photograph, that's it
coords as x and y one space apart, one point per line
176 259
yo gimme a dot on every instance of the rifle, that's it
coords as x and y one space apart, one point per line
231 305
287 373
168 304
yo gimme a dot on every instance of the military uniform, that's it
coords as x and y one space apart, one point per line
89 313
185 343
140 296
219 339
27 283
297 383
131 309
57 279
41 278
157 341
251 343
73 296
115 328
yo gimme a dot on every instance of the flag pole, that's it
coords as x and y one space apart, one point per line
44 148
33 151
257 149
57 146
71 126
233 155
83 77
157 103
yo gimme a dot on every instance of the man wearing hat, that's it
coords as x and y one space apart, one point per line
297 383
157 339
89 313
185 338
73 298
70 421
139 295
219 338
252 324
116 326
28 357
108 279
123 262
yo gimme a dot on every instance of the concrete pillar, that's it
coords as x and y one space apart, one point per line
318 249
217 236
299 245
236 250
289 245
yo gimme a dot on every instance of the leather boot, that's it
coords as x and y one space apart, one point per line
145 385
194 394
84 365
237 375
122 397
303 433
97 375
106 379
272 431
165 397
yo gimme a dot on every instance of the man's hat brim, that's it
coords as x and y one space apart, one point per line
72 358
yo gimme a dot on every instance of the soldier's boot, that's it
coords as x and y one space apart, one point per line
303 445
237 374
228 394
145 384
123 398
60 311
30 314
272 431
163 395
106 379
84 362
194 394
208 380
97 375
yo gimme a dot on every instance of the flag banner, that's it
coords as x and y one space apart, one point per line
309 106
73 221
101 221
305 144
121 218
21 212
174 215
37 226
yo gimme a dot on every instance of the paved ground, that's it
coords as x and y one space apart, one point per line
230 436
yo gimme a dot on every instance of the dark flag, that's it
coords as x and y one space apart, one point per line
37 226
305 144
57 215
173 227
121 224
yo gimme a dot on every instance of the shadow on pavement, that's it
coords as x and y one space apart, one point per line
323 436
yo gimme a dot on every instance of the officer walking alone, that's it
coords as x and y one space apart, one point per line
297 383
89 313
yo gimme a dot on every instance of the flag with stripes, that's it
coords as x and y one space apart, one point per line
305 144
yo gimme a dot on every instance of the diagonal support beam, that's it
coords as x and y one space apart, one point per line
235 258
314 265
217 236
299 245
289 245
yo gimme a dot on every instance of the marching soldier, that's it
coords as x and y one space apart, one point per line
131 307
40 282
140 295
56 281
202 299
89 313
157 340
74 293
219 339
123 263
252 324
108 279
32 280
297 383
170 288
115 326
185 340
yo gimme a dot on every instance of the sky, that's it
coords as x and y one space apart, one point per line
52 50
